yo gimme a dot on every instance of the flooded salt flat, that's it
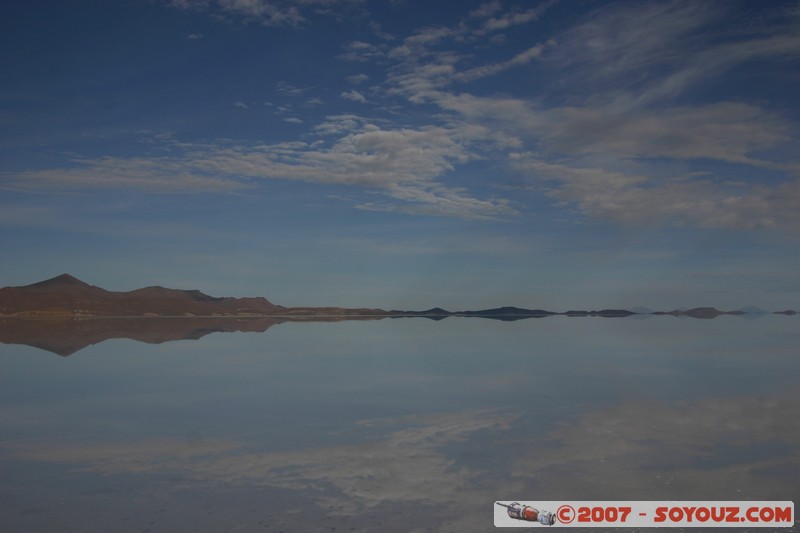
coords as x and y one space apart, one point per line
397 424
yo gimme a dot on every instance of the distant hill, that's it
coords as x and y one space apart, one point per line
508 313
699 312
65 296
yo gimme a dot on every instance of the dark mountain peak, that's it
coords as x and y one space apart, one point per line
436 311
63 280
63 284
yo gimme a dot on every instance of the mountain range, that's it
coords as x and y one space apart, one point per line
64 314
65 296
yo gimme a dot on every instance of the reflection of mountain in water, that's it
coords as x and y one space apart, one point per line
67 336
508 313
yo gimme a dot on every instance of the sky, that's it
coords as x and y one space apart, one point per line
406 154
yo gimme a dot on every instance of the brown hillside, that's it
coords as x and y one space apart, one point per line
66 295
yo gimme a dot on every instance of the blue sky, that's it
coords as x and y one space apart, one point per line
406 154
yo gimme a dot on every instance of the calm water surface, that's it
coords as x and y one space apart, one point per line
398 425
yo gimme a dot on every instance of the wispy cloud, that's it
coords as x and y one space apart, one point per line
486 10
593 134
405 465
266 12
441 201
520 59
637 61
361 51
726 131
640 200
288 89
510 18
621 449
655 51
339 124
357 79
157 175
354 96
403 164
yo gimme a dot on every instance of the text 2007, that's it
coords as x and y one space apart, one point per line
603 514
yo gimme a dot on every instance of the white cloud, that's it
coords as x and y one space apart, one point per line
357 79
338 124
392 156
637 199
361 51
293 120
158 175
662 449
404 165
267 12
289 89
486 10
240 105
428 36
620 40
424 65
619 69
354 96
404 465
579 148
597 130
189 4
441 201
660 50
727 131
421 83
518 60
513 18
502 113
377 30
